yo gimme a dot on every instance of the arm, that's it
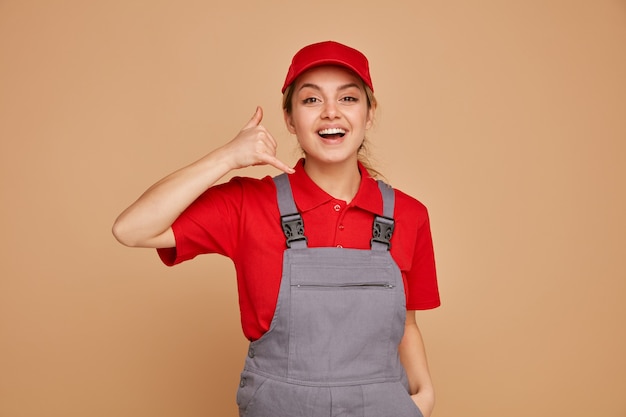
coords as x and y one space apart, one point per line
413 358
147 222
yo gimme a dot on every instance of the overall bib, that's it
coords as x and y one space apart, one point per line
332 346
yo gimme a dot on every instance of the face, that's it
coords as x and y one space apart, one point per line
329 115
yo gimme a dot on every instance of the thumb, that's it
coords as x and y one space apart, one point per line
256 119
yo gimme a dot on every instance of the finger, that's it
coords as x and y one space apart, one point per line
270 138
256 119
277 163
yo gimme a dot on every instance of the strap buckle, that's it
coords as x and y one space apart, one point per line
293 227
382 231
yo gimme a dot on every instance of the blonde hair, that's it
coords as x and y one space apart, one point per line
372 103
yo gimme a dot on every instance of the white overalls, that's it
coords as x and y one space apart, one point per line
332 346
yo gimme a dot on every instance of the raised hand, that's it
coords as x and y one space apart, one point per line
254 145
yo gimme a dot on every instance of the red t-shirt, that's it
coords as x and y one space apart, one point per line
240 219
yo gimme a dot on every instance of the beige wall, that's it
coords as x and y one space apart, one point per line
507 119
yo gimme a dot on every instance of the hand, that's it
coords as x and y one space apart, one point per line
254 145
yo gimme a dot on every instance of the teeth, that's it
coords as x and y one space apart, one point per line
332 131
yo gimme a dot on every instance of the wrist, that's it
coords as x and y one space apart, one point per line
221 159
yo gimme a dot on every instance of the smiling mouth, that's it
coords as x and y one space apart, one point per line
332 133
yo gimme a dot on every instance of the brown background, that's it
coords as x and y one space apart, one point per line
507 119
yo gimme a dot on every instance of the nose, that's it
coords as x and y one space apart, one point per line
330 110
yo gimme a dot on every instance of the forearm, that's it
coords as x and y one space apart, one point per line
147 222
413 358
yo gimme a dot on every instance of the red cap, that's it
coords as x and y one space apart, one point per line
328 53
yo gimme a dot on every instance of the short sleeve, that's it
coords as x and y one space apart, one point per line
412 248
423 290
209 225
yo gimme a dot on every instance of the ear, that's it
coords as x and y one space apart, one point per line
289 122
369 121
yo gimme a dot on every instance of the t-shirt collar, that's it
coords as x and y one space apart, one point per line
308 195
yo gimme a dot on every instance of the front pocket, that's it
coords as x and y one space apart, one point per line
346 286
389 399
273 398
346 315
409 408
415 407
249 385
342 330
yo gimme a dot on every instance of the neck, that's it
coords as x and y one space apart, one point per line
341 181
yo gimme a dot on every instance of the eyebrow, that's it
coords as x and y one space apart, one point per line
316 87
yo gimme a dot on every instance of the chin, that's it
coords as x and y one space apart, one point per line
331 157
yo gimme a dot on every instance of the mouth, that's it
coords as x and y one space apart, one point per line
332 133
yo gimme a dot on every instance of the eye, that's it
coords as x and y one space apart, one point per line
310 100
350 99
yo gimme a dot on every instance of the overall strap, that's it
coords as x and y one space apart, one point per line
291 220
383 225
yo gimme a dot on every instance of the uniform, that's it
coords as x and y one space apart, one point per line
324 284
239 219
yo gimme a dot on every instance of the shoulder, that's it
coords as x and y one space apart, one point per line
254 194
251 185
239 187
409 208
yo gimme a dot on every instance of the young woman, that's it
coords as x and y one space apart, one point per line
331 264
